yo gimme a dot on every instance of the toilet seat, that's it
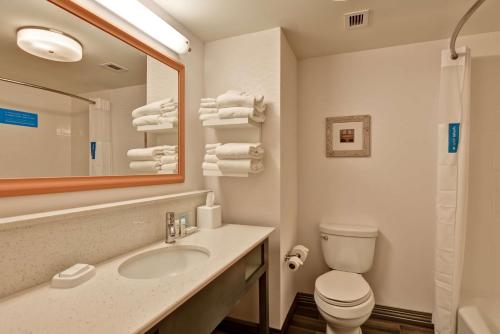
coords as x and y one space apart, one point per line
342 288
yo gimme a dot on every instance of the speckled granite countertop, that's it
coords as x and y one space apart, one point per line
110 303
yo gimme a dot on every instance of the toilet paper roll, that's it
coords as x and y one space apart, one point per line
301 252
294 263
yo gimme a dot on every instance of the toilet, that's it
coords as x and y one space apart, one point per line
344 299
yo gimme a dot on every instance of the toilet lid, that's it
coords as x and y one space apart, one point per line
340 287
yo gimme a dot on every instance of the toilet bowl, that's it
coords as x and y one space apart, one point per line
344 300
343 297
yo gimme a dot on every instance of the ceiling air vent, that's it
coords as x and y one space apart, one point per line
114 67
356 20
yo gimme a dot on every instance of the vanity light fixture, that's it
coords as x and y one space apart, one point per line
148 22
49 44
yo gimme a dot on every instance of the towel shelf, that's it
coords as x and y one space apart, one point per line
230 123
160 128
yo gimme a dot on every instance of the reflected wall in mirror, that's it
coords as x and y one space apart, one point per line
120 115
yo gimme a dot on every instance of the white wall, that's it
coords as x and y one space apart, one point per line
482 251
289 171
261 63
35 152
393 189
194 152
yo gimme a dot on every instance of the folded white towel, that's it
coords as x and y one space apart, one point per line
169 147
241 112
210 146
234 100
209 166
240 166
211 158
169 167
204 117
155 108
153 120
207 100
148 153
145 166
240 151
208 104
207 110
170 158
210 151
174 113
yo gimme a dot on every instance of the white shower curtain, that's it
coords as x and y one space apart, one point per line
452 186
100 146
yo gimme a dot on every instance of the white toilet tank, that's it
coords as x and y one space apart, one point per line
348 247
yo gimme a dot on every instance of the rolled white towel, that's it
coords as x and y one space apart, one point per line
155 107
210 166
169 167
240 166
208 104
210 146
145 166
230 99
241 112
148 153
207 99
240 151
153 120
204 117
170 158
207 110
211 158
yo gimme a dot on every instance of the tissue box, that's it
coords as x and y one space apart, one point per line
209 217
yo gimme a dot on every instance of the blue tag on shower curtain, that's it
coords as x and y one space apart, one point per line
92 149
453 137
21 118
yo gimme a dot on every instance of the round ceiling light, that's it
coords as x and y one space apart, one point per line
49 44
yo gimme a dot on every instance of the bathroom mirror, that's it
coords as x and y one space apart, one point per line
83 104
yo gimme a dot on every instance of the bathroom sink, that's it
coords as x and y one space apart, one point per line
166 261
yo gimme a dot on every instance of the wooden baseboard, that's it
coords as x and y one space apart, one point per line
306 300
410 317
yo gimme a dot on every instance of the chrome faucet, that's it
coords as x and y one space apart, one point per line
170 228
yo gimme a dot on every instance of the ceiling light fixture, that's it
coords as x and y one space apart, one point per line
49 44
148 22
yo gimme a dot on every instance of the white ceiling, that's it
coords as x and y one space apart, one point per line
316 27
84 76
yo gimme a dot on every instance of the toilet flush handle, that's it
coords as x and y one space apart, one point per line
324 237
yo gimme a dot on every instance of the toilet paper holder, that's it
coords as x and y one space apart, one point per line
298 251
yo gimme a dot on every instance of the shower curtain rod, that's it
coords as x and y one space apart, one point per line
47 89
467 15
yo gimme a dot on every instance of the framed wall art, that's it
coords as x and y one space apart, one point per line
348 136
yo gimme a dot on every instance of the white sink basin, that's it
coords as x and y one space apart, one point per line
166 261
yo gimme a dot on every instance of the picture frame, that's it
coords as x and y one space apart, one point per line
348 136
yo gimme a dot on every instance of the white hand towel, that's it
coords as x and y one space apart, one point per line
241 112
154 107
207 110
207 100
240 166
169 147
210 146
204 117
167 159
149 153
211 151
239 151
210 166
208 104
211 158
172 120
145 166
169 167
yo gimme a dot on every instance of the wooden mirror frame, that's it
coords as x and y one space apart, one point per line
32 186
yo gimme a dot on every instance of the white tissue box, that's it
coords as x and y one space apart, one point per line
209 217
